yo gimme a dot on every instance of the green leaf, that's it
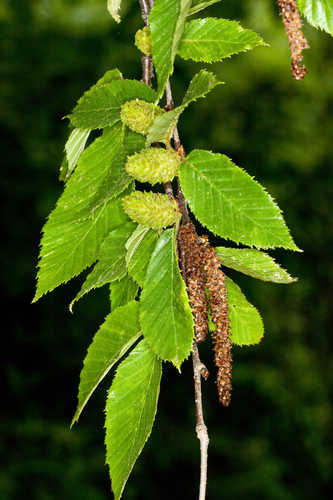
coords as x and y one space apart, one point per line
319 13
117 334
111 265
166 21
257 264
231 203
63 170
202 83
210 40
74 148
165 314
140 247
108 77
246 325
163 126
85 213
199 5
100 107
122 291
130 412
114 7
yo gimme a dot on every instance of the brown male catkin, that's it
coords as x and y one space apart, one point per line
215 283
190 248
297 41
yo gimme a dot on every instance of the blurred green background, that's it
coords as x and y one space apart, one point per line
275 441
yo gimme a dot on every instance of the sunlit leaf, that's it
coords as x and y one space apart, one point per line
246 325
165 314
231 203
210 40
74 147
117 334
166 20
100 107
85 213
122 291
319 13
130 412
257 264
199 5
163 126
139 250
111 265
113 8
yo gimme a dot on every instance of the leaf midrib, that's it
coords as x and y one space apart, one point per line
213 187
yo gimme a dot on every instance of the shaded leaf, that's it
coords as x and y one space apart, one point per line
166 21
122 291
231 203
246 325
163 126
111 265
117 334
100 106
139 250
210 40
130 412
85 213
165 314
257 264
319 13
199 5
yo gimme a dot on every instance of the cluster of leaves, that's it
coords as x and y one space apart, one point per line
150 312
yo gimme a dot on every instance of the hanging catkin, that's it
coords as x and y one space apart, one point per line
215 283
191 254
297 41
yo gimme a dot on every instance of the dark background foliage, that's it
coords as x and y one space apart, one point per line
274 442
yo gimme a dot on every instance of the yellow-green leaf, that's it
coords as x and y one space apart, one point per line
254 263
246 325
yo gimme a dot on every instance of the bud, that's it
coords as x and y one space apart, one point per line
139 115
153 210
142 40
153 165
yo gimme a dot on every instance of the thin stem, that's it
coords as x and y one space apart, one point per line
147 70
200 370
145 9
181 200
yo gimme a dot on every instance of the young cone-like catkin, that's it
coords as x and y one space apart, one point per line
153 210
142 40
139 115
191 255
215 282
153 165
